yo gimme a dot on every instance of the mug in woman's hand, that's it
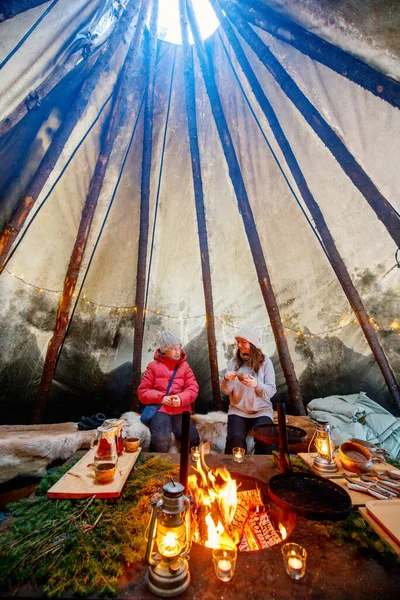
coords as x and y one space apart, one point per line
242 376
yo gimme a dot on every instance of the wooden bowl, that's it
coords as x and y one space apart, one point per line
104 472
131 444
355 457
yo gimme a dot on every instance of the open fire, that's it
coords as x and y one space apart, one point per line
224 515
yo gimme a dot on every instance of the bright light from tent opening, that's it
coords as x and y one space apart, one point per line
169 27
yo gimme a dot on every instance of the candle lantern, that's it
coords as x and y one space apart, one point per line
169 543
324 461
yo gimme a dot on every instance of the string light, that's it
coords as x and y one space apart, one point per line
300 335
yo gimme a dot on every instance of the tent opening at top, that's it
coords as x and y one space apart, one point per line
169 28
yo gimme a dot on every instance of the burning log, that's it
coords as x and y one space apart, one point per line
258 532
222 516
246 501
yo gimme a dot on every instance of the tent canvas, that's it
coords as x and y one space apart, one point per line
94 364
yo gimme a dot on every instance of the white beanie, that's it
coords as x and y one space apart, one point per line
250 334
167 340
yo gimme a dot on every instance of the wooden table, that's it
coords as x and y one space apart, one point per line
333 572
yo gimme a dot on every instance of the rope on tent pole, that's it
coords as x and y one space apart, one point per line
332 252
268 143
43 90
190 94
379 204
248 219
119 108
140 314
159 180
47 196
324 52
31 193
28 33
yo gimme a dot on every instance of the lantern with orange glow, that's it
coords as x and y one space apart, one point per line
324 461
169 543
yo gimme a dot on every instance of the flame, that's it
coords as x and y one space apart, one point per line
169 545
216 492
323 446
282 531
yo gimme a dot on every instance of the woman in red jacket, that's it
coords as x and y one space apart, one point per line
183 392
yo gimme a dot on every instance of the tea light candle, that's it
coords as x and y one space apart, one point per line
295 563
195 453
294 557
238 454
224 565
224 560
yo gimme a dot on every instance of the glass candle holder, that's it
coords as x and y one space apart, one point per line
195 453
294 557
224 560
238 454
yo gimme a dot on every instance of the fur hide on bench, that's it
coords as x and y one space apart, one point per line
28 449
212 428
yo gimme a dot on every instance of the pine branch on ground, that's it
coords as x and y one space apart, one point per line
80 546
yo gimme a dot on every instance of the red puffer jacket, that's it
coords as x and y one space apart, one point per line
156 379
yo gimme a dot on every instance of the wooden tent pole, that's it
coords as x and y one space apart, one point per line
59 73
332 252
35 186
151 55
119 109
248 220
382 208
199 201
324 52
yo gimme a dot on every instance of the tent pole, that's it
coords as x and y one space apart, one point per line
324 52
382 208
48 162
118 111
248 221
199 201
59 73
332 252
140 309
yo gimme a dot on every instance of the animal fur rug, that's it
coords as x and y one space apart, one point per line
211 428
28 449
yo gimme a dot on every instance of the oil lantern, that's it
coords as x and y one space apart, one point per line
324 461
169 543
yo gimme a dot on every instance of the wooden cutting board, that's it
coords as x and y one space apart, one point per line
309 460
357 498
379 530
79 481
387 514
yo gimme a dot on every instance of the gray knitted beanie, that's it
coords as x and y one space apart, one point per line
168 339
250 333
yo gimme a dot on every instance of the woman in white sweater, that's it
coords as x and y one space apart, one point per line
249 382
